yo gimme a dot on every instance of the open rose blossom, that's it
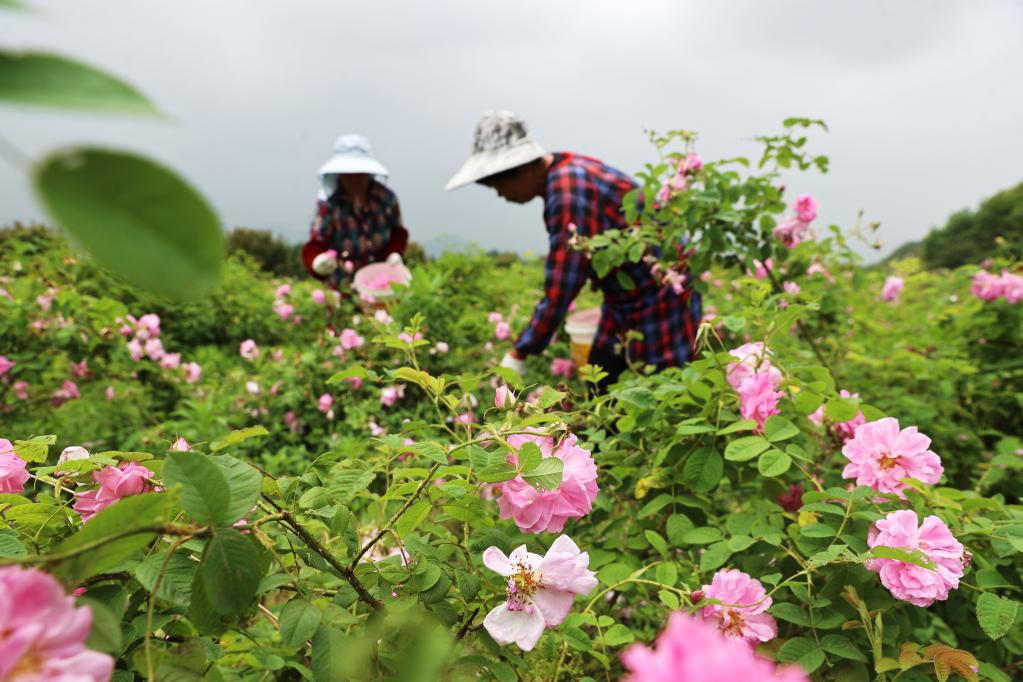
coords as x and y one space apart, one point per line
13 471
742 613
124 480
5 364
562 367
536 511
691 650
248 350
1012 287
892 288
917 585
986 286
881 454
43 634
756 381
540 590
350 339
502 330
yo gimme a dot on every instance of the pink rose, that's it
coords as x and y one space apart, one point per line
124 480
892 288
109 392
881 454
283 291
192 372
356 383
350 339
5 365
985 286
325 403
1012 287
502 331
13 470
135 350
171 361
442 347
562 367
742 613
154 349
909 582
283 310
248 350
319 298
806 208
21 390
78 369
504 397
179 445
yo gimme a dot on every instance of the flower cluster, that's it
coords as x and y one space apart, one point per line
881 454
537 511
540 590
756 381
115 482
917 585
794 229
845 430
989 287
679 182
43 633
145 343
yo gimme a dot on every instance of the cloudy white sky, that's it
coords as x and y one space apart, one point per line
923 98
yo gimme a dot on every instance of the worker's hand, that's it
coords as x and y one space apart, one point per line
325 264
515 364
395 259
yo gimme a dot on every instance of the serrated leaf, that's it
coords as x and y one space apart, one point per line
657 542
204 492
840 645
914 556
618 635
773 463
298 622
715 556
546 475
528 456
741 425
329 655
175 574
355 371
497 473
231 569
238 436
702 470
244 484
412 517
746 448
803 651
792 613
995 614
778 428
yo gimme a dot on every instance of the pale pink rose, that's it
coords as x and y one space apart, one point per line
135 350
790 232
319 298
148 326
692 650
171 361
676 280
297 319
375 429
986 286
355 382
125 331
892 288
502 330
252 387
154 349
124 480
13 471
67 391
757 398
45 301
325 403
78 369
350 339
538 511
44 633
488 346
179 445
742 613
918 585
562 367
404 337
5 365
442 347
1012 287
880 454
844 429
71 454
390 394
283 291
465 418
348 266
248 350
540 590
193 372
761 268
817 269
494 317
382 317
791 288
284 310
110 393
753 358
806 207
276 387
292 422
21 390
277 355
504 397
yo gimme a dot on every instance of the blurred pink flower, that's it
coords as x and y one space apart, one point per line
537 511
790 232
5 365
892 288
880 454
148 326
291 421
382 317
844 429
791 288
817 269
742 613
986 286
325 403
252 387
21 390
283 291
171 361
45 301
375 429
350 339
179 445
193 372
442 347
502 330
78 369
154 349
1012 287
540 590
67 391
465 418
110 393
917 585
283 310
319 298
13 469
248 350
390 394
562 367
355 382
691 650
135 350
404 337
44 633
761 268
124 480
494 317
806 207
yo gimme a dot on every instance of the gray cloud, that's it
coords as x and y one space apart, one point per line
922 97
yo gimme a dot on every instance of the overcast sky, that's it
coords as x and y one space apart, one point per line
924 98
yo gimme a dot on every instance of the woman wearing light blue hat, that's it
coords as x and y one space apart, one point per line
358 220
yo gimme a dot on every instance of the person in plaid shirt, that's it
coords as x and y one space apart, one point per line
582 196
358 220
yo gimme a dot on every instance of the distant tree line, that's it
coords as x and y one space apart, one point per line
971 236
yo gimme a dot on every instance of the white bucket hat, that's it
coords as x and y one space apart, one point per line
352 154
500 142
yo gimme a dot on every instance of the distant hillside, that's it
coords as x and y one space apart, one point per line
970 236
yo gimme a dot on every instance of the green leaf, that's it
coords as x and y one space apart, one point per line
50 80
773 463
496 473
329 655
10 545
801 650
105 633
741 425
299 621
137 218
176 582
841 409
356 371
702 535
412 517
618 635
231 569
817 530
624 281
702 471
793 613
666 574
117 533
746 448
995 614
431 451
549 398
840 645
528 456
204 492
715 556
914 556
546 475
657 542
237 436
779 428
244 483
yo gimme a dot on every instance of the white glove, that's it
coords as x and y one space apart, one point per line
395 259
324 264
514 364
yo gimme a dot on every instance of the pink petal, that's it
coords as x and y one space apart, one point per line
520 627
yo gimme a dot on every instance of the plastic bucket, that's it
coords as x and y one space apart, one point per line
581 328
373 282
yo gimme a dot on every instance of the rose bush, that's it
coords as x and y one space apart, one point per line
308 490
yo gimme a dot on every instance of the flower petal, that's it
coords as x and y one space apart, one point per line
554 605
522 627
496 561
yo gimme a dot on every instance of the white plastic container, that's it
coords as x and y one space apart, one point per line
582 327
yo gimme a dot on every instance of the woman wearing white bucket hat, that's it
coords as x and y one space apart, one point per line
358 220
582 197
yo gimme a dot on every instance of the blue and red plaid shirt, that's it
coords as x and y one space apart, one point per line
588 193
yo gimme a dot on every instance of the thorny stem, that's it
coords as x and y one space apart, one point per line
147 644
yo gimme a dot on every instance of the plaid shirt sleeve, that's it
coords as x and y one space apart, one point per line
569 201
